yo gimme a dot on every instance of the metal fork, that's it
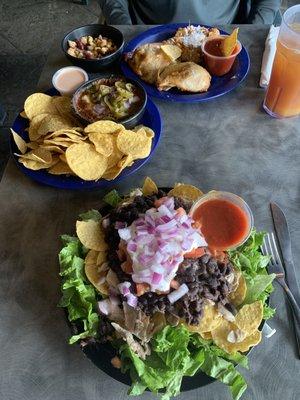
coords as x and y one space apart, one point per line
269 248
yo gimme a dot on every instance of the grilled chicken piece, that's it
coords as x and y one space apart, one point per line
187 76
147 60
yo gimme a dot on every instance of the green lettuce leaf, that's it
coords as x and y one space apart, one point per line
256 286
78 296
112 198
91 214
250 261
177 353
225 372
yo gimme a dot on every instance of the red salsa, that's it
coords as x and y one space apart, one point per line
216 63
223 224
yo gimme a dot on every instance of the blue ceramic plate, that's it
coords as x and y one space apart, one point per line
151 118
219 85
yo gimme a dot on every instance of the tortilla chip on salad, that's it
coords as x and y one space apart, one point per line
91 235
249 317
224 331
96 277
101 257
206 335
188 192
211 320
91 257
238 296
149 187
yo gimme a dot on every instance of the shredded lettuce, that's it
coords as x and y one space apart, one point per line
250 261
78 296
112 198
177 353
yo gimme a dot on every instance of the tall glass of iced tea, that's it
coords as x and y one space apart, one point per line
283 93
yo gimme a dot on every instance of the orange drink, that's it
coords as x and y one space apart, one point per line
283 93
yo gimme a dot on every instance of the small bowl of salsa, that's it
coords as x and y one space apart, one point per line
225 219
112 98
216 63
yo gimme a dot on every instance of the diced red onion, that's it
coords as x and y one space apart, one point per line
120 225
124 288
104 306
132 247
156 278
156 242
132 300
178 293
124 233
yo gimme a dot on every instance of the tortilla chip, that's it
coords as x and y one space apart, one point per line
137 144
39 103
149 187
211 320
60 168
103 143
221 333
188 192
85 161
91 235
104 127
19 141
249 317
238 296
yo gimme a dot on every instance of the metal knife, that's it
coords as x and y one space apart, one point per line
284 240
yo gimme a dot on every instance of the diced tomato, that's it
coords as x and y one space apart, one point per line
141 288
174 284
127 266
180 211
218 254
159 202
196 225
116 362
122 251
195 253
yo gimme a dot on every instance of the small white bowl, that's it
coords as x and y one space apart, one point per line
68 91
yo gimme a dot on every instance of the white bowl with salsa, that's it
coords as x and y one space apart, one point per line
225 219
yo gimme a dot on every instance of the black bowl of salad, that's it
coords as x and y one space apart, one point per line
93 47
151 304
110 97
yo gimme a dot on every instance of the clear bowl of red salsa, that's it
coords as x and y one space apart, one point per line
225 219
215 62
